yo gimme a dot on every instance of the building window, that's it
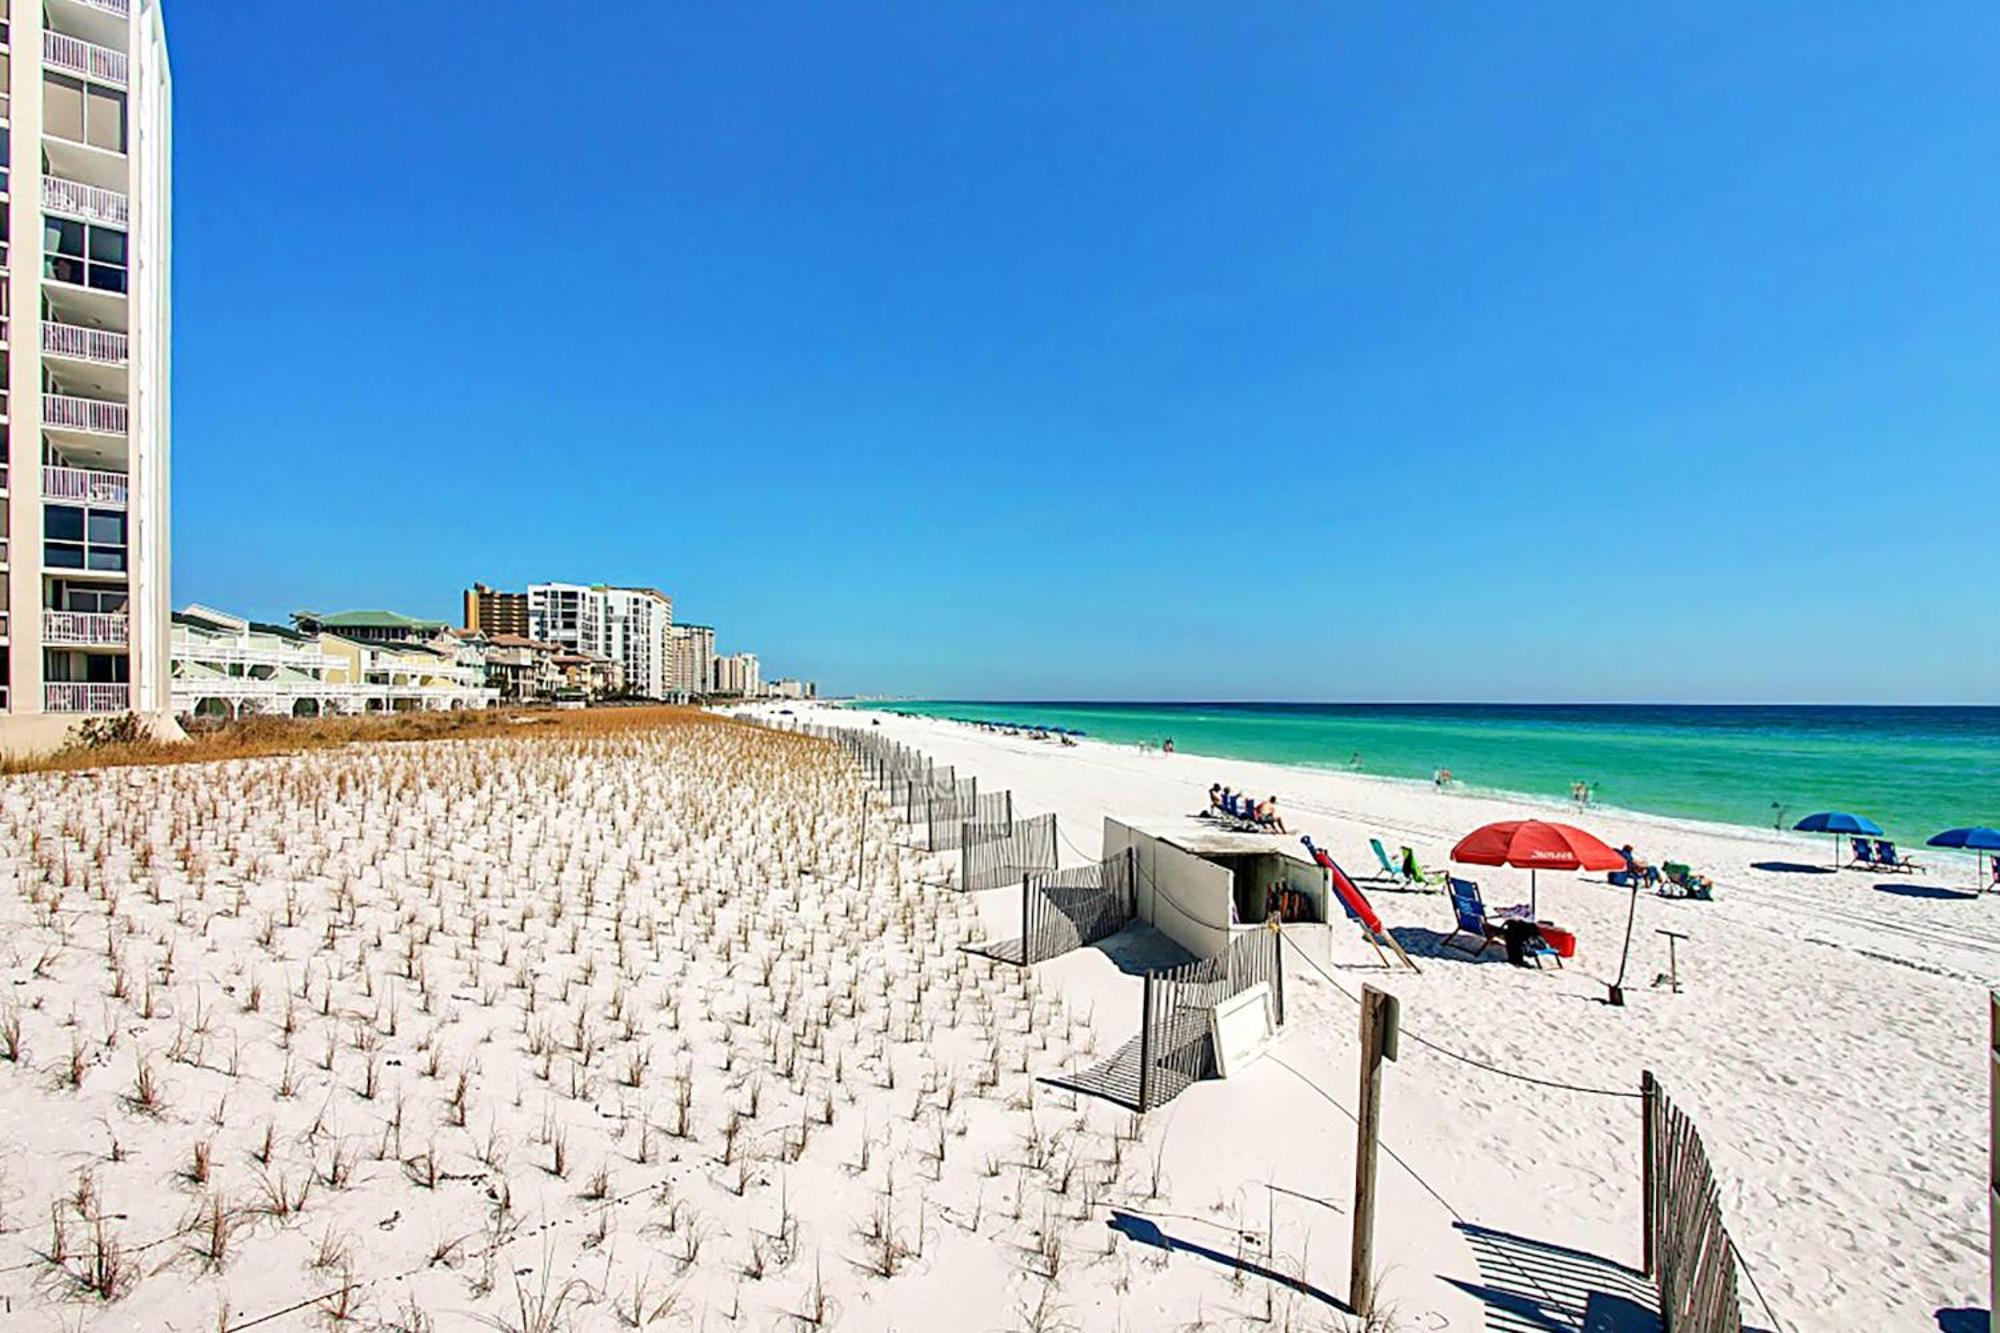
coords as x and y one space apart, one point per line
85 597
77 538
83 112
84 254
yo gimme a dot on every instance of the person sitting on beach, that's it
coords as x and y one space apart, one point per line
1267 815
1640 871
1214 798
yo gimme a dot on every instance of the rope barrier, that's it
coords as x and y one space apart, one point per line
1461 1058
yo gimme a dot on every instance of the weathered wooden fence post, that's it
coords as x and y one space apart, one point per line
1146 1044
1649 1167
1378 1027
1278 971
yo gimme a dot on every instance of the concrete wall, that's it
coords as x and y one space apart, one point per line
1182 896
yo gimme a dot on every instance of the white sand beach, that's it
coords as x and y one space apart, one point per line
1828 1040
640 1030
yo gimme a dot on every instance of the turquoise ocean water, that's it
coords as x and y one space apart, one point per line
1913 770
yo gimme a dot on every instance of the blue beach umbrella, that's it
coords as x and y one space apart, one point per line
1978 840
1838 822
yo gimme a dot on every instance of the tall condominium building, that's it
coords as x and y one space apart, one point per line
738 674
85 621
694 659
492 612
631 626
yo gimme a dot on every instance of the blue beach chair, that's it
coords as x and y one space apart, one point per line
1864 855
1886 858
1470 910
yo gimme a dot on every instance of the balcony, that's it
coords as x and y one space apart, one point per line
92 416
85 629
81 344
92 203
73 55
121 9
3 558
225 655
4 626
84 485
77 697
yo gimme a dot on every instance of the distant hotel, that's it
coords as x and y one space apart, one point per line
496 613
630 626
694 660
85 258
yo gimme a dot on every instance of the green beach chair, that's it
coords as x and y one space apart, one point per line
1414 873
1686 883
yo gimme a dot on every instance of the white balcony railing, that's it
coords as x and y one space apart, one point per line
92 203
236 654
85 629
81 344
92 415
85 484
77 697
88 59
122 8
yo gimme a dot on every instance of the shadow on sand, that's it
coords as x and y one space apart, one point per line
1905 889
1963 1319
1422 942
1531 1286
1145 1231
1791 868
1115 1078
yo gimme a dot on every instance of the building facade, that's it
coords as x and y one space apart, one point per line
492 612
630 626
694 660
225 666
737 674
85 620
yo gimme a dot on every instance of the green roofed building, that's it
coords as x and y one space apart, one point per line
370 626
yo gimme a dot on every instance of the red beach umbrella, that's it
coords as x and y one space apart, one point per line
1532 845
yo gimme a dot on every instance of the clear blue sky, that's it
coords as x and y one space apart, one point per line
1336 351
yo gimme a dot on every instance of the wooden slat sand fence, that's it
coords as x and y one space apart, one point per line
1175 1047
1063 910
993 855
946 813
1688 1250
